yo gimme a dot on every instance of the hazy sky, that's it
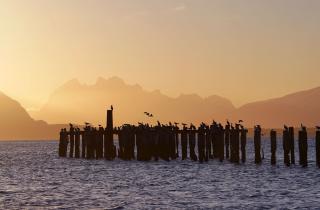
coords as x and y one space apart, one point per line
245 50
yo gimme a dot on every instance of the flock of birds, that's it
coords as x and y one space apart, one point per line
150 115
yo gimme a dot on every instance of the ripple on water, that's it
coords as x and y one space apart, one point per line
40 179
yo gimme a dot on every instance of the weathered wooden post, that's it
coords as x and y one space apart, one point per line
232 140
99 143
221 143
65 143
132 143
61 143
201 144
243 139
286 146
110 150
303 147
227 140
236 144
83 143
257 144
71 134
273 141
89 140
318 146
208 143
176 133
172 143
184 142
291 142
192 143
77 143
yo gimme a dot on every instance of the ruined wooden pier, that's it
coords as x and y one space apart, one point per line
145 143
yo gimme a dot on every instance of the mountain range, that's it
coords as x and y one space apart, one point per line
77 103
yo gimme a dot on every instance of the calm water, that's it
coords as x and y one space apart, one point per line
33 177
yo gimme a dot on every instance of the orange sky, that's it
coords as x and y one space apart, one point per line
244 50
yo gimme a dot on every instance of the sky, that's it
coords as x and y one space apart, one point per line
244 50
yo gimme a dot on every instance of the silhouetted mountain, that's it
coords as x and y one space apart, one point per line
15 123
292 109
76 102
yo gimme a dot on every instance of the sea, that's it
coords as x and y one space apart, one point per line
32 176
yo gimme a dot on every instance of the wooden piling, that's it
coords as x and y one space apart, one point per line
208 144
110 150
291 142
227 140
257 144
201 144
243 140
317 143
71 134
286 147
77 143
221 143
192 144
61 143
236 145
184 143
303 147
273 142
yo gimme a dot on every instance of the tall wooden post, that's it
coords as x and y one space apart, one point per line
243 144
273 141
291 142
236 145
192 144
221 143
184 143
227 140
77 143
110 150
303 147
201 144
318 147
83 143
257 144
61 143
71 133
286 147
